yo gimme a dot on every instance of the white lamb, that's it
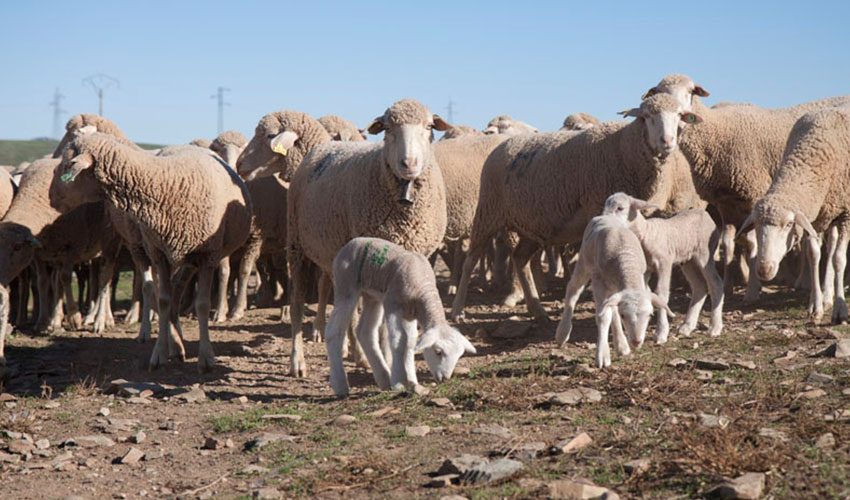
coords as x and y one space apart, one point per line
687 239
611 256
400 286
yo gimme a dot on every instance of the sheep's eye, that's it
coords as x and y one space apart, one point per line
438 351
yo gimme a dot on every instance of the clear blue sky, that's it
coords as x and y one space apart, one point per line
537 61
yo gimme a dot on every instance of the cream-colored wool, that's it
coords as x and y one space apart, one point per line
580 121
460 131
341 129
504 124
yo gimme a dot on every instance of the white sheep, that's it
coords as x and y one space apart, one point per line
343 190
459 131
580 121
341 129
811 190
546 187
687 239
400 286
191 207
504 124
612 259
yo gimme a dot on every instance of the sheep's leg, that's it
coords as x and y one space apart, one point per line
460 248
537 273
812 248
523 251
183 285
23 296
325 284
580 276
132 315
85 286
386 348
352 346
206 357
221 295
727 244
839 262
334 335
699 292
148 298
368 333
42 278
74 317
662 289
753 283
56 303
166 337
501 264
475 251
515 295
715 289
403 340
621 343
829 272
246 264
299 272
4 322
603 324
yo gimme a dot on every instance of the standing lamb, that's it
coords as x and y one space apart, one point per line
612 259
688 239
392 190
192 210
547 186
400 286
341 129
504 124
811 189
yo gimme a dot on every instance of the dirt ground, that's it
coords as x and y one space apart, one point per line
697 427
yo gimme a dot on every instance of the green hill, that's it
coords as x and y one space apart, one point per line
15 152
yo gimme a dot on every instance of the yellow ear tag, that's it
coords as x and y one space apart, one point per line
280 150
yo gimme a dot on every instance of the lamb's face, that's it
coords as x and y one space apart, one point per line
618 205
442 347
635 310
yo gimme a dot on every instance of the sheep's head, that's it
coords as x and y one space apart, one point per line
281 140
90 123
681 87
459 131
341 129
442 346
626 207
73 181
408 132
504 124
779 225
229 145
663 116
635 309
17 248
580 121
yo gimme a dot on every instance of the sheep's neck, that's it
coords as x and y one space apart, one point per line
629 273
643 168
429 309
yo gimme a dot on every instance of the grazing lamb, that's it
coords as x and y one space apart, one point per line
459 131
688 239
580 121
341 129
504 124
192 210
392 190
811 190
400 286
612 259
546 187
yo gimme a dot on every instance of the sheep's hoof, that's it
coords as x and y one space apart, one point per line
458 317
206 363
219 318
603 360
510 301
715 331
75 321
284 314
156 361
236 315
298 368
452 290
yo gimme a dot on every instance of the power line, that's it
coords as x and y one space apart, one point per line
221 104
56 104
450 111
99 83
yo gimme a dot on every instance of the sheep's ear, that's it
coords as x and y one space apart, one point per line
637 205
440 124
468 348
634 112
362 133
660 304
691 118
88 129
748 224
803 222
698 90
283 142
491 130
377 126
78 164
344 135
649 93
427 339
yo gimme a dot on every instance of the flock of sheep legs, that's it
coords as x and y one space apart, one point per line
294 195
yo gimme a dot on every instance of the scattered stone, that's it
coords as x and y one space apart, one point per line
677 362
747 365
242 400
417 430
786 358
441 481
564 489
773 433
626 419
571 445
343 420
122 424
746 487
20 447
638 466
703 375
170 426
153 455
461 464
89 442
837 416
525 451
9 458
707 364
138 438
709 420
825 441
266 439
213 444
255 469
455 416
494 430
812 394
51 405
846 392
104 412
492 471
421 390
42 444
819 378
195 395
574 396
511 328
440 403
840 349
4 397
460 371
66 466
133 456
124 388
453 497
387 410
266 494
136 400
282 416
